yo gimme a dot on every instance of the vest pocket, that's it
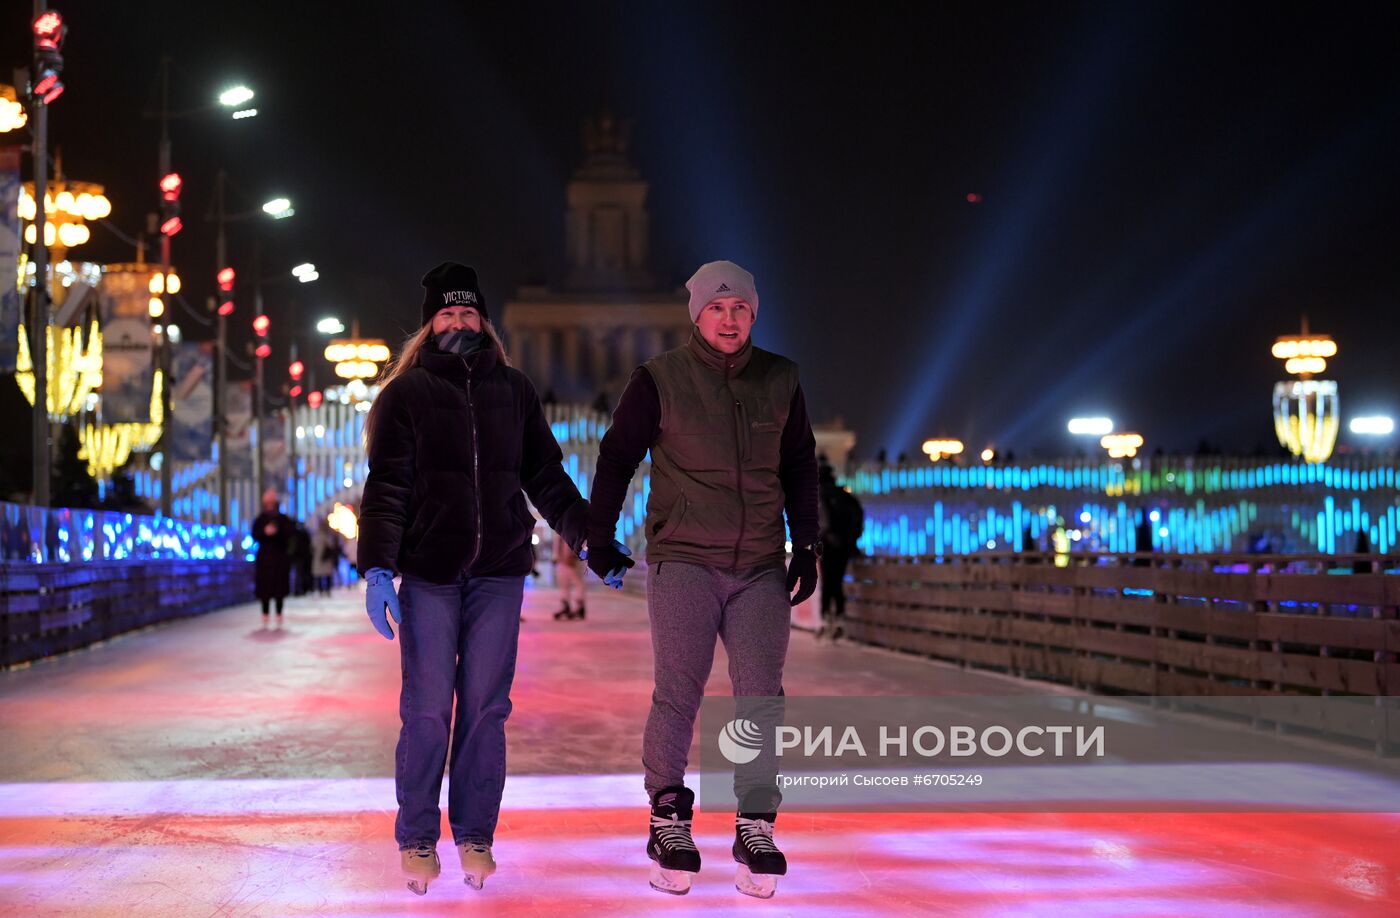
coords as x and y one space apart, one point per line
673 519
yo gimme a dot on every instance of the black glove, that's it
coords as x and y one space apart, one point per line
608 559
803 570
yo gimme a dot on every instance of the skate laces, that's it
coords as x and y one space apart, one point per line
757 835
673 833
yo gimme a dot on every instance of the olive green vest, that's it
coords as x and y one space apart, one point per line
716 498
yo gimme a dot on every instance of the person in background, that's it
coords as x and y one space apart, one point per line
273 530
568 576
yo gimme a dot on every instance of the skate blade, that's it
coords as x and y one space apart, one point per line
418 887
673 882
758 885
477 880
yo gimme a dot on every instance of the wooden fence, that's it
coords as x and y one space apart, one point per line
51 608
1145 624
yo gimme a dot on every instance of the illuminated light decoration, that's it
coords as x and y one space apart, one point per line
294 392
988 454
301 269
1378 426
74 368
937 449
343 520
12 113
226 308
356 358
1306 418
49 31
309 276
974 198
261 324
1091 427
156 307
1122 445
314 398
170 187
171 226
330 326
245 113
164 283
226 277
66 206
264 350
296 369
1305 366
48 87
107 447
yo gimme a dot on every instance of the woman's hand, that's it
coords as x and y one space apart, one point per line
379 593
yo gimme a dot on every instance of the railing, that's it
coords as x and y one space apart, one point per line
1145 624
69 578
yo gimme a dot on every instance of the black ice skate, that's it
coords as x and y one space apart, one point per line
669 844
760 862
563 614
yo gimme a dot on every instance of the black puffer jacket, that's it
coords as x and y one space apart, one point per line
456 440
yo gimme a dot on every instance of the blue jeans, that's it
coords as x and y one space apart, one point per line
456 637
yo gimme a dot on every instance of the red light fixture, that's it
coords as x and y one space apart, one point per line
313 398
170 186
261 324
296 369
49 31
264 350
295 391
172 226
226 308
226 279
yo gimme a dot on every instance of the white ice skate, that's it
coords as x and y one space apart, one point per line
477 864
420 866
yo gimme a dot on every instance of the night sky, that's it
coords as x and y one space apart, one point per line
1166 187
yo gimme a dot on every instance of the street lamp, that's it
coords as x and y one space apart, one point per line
1091 427
330 326
278 208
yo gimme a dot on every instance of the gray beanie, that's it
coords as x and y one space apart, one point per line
717 279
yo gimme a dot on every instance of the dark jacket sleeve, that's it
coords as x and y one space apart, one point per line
797 470
384 506
636 423
542 475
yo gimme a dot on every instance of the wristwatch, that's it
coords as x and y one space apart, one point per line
815 548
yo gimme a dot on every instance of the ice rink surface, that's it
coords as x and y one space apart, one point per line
216 767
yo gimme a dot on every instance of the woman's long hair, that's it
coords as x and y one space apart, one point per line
408 358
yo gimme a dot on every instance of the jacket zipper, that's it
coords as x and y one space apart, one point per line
476 467
739 463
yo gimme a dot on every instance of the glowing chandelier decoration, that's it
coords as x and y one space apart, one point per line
74 368
68 205
343 520
937 449
1306 413
1122 445
357 358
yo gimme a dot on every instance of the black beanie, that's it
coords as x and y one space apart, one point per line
451 284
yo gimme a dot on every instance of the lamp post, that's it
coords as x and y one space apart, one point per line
235 98
277 209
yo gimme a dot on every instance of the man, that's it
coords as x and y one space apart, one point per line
731 450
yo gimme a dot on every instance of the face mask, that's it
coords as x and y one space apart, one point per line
462 342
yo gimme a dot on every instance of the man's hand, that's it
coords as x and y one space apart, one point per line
379 592
802 573
610 562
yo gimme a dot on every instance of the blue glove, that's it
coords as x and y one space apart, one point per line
379 592
610 563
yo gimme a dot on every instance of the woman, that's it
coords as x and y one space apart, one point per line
568 576
272 570
453 436
325 555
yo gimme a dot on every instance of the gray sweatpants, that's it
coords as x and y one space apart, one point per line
690 605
